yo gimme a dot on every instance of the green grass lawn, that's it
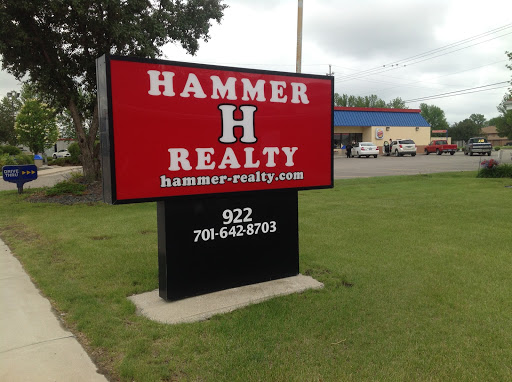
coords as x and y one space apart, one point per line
417 273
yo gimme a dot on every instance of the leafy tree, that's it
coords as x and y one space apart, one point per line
462 131
396 103
503 123
367 101
36 126
509 55
493 121
66 127
434 115
479 119
8 110
56 44
373 101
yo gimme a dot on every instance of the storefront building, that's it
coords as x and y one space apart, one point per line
360 124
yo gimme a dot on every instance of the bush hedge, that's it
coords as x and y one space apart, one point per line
66 187
7 160
11 150
499 171
69 161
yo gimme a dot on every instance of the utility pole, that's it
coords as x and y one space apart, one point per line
330 73
298 65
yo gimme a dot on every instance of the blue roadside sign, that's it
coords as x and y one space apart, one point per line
19 174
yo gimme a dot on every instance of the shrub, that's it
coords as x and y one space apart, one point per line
5 160
8 160
497 171
57 162
11 150
66 187
497 148
62 162
24 159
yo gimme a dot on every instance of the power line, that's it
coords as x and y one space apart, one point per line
401 63
430 52
430 80
459 92
457 43
395 67
456 50
454 95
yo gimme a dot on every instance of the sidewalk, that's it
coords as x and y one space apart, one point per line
34 346
48 170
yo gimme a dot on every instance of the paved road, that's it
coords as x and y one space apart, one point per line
420 164
46 177
344 168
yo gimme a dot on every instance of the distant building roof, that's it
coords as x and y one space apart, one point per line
489 130
364 116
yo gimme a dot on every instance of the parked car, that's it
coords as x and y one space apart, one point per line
365 149
61 154
400 147
440 146
478 145
508 144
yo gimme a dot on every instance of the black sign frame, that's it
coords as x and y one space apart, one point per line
262 245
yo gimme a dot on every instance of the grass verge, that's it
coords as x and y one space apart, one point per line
416 272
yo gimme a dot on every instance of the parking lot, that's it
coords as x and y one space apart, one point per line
345 168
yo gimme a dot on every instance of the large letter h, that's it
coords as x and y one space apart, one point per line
229 123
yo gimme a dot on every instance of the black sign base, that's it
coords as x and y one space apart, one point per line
223 241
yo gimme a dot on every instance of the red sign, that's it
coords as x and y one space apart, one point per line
439 131
183 129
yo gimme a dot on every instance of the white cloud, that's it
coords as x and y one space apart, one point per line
8 83
354 36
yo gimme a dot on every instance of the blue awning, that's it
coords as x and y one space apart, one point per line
377 118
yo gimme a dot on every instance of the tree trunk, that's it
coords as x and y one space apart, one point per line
86 142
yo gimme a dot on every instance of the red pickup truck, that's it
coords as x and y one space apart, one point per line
440 146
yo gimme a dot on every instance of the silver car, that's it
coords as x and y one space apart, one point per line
400 147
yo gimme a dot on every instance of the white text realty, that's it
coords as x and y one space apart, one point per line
162 84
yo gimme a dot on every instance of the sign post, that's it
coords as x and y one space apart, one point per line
224 152
19 174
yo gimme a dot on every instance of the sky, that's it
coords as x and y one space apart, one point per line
412 49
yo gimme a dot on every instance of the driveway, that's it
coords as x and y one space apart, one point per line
345 168
46 177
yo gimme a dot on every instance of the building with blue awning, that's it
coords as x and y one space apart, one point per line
361 124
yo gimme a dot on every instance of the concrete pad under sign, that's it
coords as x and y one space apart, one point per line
202 307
